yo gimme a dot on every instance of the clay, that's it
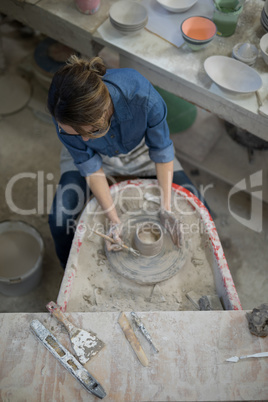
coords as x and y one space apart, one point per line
258 320
204 304
148 238
19 252
157 262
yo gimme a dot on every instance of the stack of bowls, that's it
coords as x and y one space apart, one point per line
198 31
264 16
245 52
128 16
264 47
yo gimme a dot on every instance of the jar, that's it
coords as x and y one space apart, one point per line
87 6
226 21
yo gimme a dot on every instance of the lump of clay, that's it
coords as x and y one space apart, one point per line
258 320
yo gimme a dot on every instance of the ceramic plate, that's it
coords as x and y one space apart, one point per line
232 74
177 6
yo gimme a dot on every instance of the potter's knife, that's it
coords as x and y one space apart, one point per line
143 330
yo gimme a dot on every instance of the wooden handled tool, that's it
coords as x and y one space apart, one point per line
85 344
132 339
130 249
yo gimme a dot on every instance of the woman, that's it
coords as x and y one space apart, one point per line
111 123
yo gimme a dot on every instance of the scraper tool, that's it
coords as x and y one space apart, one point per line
85 344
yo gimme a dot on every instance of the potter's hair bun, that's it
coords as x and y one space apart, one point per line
95 64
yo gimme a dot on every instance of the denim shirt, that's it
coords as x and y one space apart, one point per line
139 112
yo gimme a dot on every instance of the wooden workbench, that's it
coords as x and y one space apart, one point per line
190 366
179 71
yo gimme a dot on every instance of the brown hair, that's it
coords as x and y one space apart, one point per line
77 95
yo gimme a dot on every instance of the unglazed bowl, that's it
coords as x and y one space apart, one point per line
149 238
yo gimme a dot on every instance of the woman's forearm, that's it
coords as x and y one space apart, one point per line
164 173
98 184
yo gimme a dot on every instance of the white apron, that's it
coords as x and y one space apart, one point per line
136 163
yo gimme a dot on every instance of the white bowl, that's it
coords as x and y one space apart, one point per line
266 7
245 52
126 31
264 47
177 6
232 75
128 13
127 27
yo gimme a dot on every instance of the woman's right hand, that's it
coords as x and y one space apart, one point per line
114 232
173 226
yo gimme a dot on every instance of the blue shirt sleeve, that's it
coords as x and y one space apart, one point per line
157 136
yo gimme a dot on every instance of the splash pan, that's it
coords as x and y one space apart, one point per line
95 280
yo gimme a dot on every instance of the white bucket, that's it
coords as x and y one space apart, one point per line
18 275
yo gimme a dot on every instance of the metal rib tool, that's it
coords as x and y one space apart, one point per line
134 252
143 330
67 359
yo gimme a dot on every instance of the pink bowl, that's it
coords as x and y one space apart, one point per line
87 6
198 28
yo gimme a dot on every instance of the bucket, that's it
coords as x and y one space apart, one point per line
181 114
21 258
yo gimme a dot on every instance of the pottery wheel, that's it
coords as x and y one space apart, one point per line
146 270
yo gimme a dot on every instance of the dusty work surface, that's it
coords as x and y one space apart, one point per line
98 287
190 365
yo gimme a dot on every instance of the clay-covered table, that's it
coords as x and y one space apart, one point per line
189 367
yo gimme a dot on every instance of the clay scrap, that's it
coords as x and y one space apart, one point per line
258 320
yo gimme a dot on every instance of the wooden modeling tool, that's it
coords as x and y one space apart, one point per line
132 339
85 344
67 359
136 253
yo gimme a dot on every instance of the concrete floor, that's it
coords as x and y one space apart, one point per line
29 144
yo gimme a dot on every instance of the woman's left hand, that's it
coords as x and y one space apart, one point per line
114 232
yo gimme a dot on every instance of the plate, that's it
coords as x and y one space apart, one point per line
177 6
232 74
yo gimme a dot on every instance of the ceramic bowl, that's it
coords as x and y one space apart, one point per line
264 20
198 31
232 75
265 8
177 6
128 13
264 47
245 52
127 30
